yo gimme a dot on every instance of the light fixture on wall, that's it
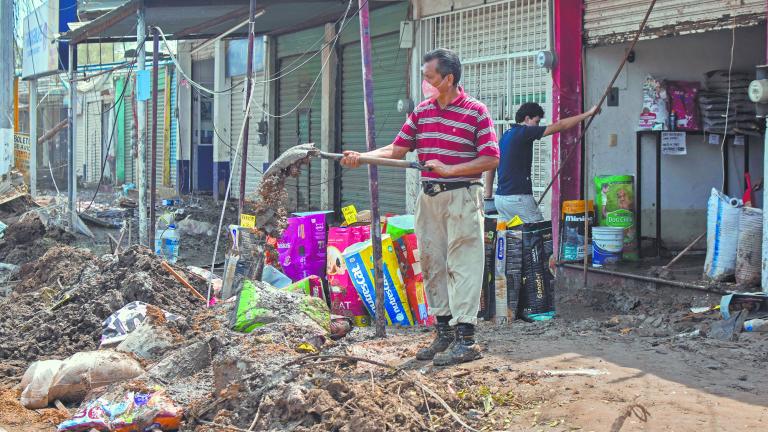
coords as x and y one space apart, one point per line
545 59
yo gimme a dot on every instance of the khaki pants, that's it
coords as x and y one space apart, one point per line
450 231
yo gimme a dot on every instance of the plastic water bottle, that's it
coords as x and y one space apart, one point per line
756 325
167 243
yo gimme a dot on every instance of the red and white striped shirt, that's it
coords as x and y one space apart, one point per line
458 133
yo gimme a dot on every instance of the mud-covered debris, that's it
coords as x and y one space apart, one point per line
61 313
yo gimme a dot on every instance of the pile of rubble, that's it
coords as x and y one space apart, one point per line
58 307
29 238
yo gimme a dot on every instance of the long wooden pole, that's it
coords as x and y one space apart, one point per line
373 173
585 172
248 89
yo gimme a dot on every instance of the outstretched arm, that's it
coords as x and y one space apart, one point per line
569 122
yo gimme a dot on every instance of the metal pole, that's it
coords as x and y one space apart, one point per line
71 172
141 113
765 219
6 70
248 86
153 164
33 137
373 173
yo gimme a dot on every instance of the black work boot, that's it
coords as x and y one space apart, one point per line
463 350
444 337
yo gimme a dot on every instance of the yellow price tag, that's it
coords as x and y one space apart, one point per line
350 214
515 221
247 221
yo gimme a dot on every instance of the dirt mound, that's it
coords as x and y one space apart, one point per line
12 210
60 265
59 306
28 239
13 414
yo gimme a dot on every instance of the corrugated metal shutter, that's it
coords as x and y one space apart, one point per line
390 82
161 82
498 44
130 131
174 125
93 140
257 153
80 159
205 53
616 21
300 88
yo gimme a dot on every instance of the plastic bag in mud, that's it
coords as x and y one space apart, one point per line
125 320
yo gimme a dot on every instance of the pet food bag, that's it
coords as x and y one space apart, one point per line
410 266
359 260
654 114
722 237
311 286
302 248
682 102
344 298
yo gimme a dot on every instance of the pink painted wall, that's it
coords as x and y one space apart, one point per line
566 102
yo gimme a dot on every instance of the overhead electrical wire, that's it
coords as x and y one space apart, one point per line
119 100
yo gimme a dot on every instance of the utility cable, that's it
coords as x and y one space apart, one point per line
120 99
723 149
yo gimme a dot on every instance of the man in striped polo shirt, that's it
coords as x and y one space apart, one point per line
455 140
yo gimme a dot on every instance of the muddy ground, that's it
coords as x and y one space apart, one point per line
607 363
605 372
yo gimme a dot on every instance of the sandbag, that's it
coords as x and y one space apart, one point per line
749 248
722 237
91 369
37 382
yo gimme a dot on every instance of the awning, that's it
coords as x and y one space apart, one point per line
198 19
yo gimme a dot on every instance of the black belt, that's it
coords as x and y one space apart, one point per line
433 188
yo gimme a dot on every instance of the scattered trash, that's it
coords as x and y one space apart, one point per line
756 325
135 412
750 302
127 319
275 277
728 329
167 243
259 304
194 227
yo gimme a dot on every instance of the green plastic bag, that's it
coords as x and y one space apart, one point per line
248 314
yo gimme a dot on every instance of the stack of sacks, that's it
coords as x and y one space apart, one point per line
713 104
